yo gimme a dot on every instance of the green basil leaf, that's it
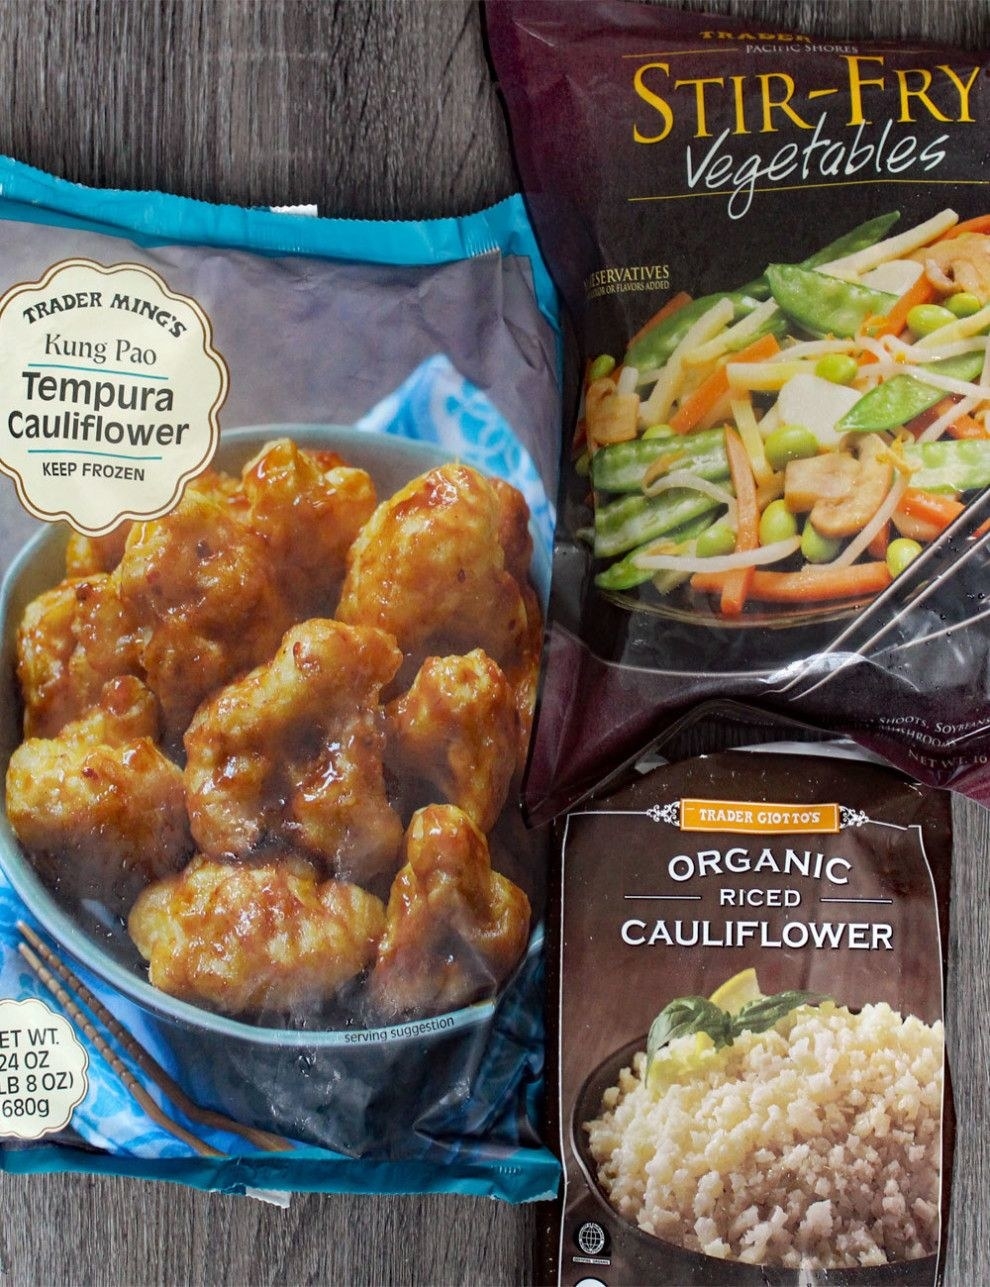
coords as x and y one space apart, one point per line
765 1012
682 1017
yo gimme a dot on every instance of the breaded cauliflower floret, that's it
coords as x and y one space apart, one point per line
454 928
99 807
247 939
523 672
513 528
457 729
72 639
85 555
308 507
429 568
290 756
202 585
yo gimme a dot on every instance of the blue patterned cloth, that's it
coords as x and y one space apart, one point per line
435 404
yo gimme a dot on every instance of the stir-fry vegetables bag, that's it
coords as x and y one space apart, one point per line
752 992
777 256
275 538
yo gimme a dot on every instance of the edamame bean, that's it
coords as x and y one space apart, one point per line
963 304
925 318
817 548
719 539
837 368
582 466
602 366
900 554
789 442
777 523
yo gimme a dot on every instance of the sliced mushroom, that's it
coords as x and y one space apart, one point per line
959 264
610 416
841 491
827 477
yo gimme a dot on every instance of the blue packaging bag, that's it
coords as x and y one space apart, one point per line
276 533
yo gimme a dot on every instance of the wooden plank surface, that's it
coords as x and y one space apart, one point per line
382 109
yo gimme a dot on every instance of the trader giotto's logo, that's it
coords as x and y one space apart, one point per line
756 817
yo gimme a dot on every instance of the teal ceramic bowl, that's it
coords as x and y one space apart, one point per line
278 1077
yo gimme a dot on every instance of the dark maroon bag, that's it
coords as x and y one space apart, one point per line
776 254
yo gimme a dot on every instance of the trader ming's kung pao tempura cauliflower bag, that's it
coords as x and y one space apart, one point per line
269 916
777 253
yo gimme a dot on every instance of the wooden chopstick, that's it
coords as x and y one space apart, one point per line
126 1076
150 1066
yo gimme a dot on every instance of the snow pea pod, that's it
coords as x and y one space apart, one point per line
624 575
823 305
621 466
858 238
898 400
863 235
633 520
950 465
656 346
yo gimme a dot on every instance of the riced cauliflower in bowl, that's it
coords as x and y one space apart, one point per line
815 1144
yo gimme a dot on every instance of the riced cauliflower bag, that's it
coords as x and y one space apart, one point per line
275 536
753 1087
777 255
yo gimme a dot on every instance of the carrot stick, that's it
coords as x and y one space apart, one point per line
892 323
964 426
809 585
737 584
877 548
928 507
711 391
671 307
709 582
967 427
980 224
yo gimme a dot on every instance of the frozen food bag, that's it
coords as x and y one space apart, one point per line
776 252
276 539
753 1087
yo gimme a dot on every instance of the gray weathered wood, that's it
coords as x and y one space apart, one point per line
380 109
